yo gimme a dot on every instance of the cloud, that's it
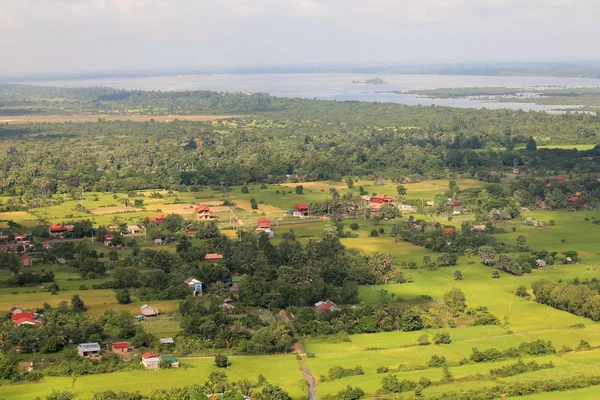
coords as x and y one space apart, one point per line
116 34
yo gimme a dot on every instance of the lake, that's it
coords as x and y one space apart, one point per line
340 87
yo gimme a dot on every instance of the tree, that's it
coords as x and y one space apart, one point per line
10 262
401 190
487 254
458 276
423 340
455 300
354 226
522 242
253 204
299 189
522 292
495 274
245 189
531 144
77 304
123 296
442 338
222 361
349 182
469 253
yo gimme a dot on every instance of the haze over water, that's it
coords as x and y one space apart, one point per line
340 87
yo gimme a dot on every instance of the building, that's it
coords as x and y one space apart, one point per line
88 350
478 228
406 209
456 207
327 305
191 232
148 311
158 242
15 310
263 224
302 210
203 212
108 238
193 284
133 229
114 228
150 360
24 318
160 219
213 257
166 340
171 358
235 282
540 263
120 347
57 229
381 200
449 230
560 179
26 260
46 245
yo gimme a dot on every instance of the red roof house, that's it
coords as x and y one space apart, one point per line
120 347
25 318
56 228
328 305
213 257
302 209
203 212
264 223
381 199
449 230
560 179
160 219
26 260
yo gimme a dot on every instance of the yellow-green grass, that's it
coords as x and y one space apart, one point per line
281 370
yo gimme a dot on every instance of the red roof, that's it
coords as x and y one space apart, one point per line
149 355
120 345
28 321
25 257
57 227
159 217
560 178
449 230
202 207
23 315
109 237
301 206
548 185
213 256
45 243
264 223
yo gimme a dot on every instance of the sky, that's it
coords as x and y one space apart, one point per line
49 36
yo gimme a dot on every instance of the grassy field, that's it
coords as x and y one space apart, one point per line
527 320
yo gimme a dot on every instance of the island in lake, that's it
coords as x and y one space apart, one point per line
372 81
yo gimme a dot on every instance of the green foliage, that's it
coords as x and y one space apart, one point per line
442 338
222 361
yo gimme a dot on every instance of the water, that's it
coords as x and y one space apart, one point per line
340 87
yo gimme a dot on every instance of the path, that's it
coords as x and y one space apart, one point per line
303 362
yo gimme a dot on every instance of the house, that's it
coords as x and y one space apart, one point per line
148 311
213 257
114 228
56 229
133 229
24 318
548 185
191 232
120 347
302 210
263 224
456 207
327 305
158 242
203 212
478 228
15 310
150 360
166 340
540 263
449 230
406 209
26 260
25 366
193 284
160 219
108 238
560 179
62 261
46 245
88 350
569 260
171 358
381 200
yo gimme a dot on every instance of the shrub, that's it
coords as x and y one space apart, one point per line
442 338
437 361
374 233
354 226
423 340
338 372
458 276
222 361
382 370
495 274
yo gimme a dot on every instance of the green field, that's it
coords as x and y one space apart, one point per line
528 320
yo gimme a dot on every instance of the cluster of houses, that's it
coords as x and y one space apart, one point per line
327 305
149 360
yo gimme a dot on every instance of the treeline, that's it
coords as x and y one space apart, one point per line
579 298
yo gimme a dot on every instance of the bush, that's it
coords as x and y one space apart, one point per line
354 226
338 372
522 292
437 361
495 274
423 340
458 276
382 370
222 361
442 338
374 233
245 189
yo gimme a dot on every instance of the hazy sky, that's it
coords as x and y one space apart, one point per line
68 35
